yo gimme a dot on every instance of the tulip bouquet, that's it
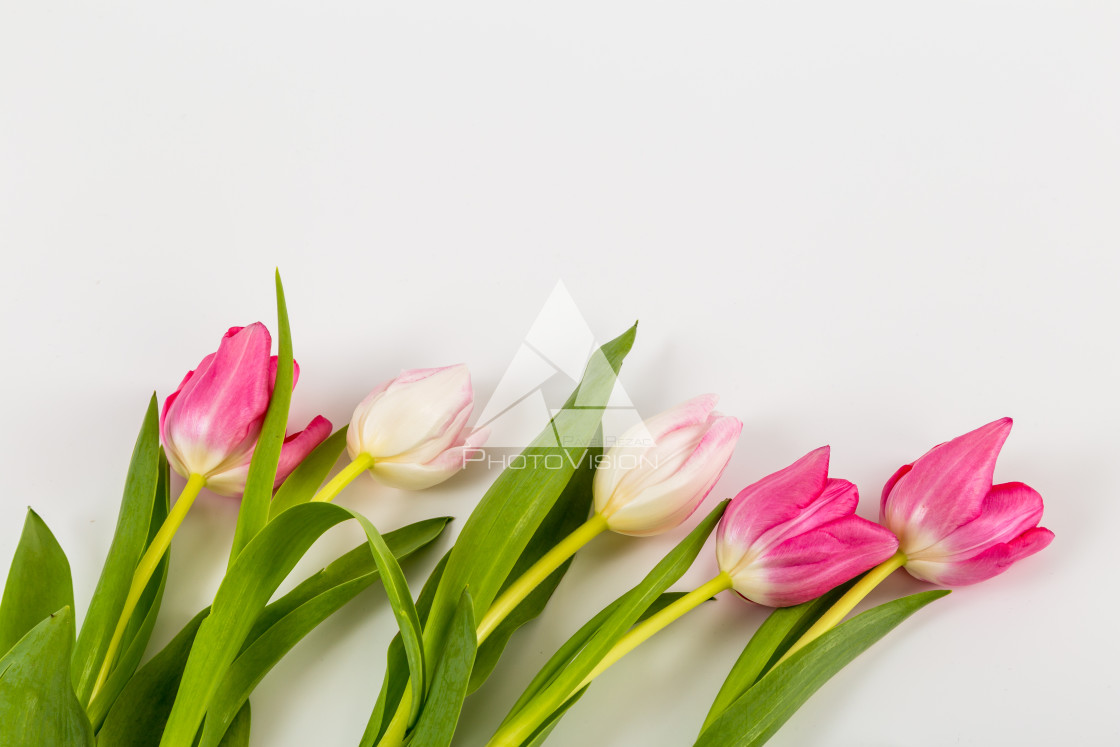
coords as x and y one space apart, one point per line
791 541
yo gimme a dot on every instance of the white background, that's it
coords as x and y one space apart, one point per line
872 225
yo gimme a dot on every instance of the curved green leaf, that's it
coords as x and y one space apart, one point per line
134 521
438 720
781 629
237 735
754 717
38 583
251 580
552 696
253 514
37 702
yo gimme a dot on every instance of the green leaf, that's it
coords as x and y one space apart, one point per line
37 703
630 608
139 714
438 720
285 622
253 515
396 667
571 510
500 527
38 583
301 485
238 733
540 735
781 629
250 581
130 539
139 629
759 712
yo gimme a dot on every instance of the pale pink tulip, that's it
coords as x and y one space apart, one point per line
648 488
793 535
415 427
210 424
954 526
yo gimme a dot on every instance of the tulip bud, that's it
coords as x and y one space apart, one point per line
793 535
414 427
210 424
645 489
954 526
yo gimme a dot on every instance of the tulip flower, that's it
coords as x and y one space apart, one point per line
794 535
210 424
954 527
646 490
413 429
411 432
654 478
209 427
786 539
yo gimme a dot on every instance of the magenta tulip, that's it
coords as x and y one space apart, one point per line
954 526
793 535
210 424
648 488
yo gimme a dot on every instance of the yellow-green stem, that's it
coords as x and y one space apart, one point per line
334 486
521 728
847 603
144 571
542 569
644 630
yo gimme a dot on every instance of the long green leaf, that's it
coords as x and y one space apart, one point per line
781 629
250 581
285 622
759 712
130 539
38 583
571 510
396 666
538 709
438 720
306 478
253 514
500 527
140 713
37 702
238 733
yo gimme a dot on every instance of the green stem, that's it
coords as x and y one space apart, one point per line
394 733
144 570
330 491
847 603
515 594
521 728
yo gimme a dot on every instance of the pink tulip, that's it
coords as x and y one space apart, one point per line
210 424
953 525
647 488
414 427
794 535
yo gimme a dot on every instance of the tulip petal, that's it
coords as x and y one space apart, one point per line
1007 511
990 562
772 502
945 487
298 445
408 475
807 565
